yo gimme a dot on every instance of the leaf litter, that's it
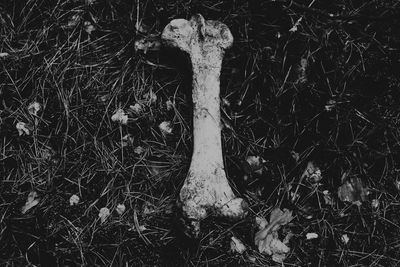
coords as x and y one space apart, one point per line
267 238
32 200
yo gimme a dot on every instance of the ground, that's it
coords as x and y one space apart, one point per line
305 83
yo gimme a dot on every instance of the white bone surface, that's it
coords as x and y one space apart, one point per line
206 188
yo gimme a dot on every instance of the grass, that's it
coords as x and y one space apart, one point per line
326 91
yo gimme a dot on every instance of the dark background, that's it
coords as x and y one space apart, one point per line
328 91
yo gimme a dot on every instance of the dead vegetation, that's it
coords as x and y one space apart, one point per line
310 94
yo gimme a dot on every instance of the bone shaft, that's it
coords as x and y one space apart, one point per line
207 119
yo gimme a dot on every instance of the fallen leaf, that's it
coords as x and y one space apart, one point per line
261 223
267 239
279 258
310 236
251 258
4 54
74 21
294 195
330 105
237 245
127 140
103 214
297 24
139 150
375 203
137 108
47 153
23 128
32 200
302 71
225 102
295 155
312 173
397 184
142 228
152 43
141 27
278 247
148 209
353 191
103 98
73 200
120 209
165 127
89 28
120 116
253 164
169 104
279 217
151 97
327 197
34 108
345 238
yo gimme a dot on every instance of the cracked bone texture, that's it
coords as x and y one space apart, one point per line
206 188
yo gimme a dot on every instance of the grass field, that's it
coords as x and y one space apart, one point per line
305 81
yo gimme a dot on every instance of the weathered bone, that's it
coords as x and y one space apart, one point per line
206 187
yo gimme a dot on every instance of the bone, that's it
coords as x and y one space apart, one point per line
206 190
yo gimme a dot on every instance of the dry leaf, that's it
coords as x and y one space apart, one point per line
225 102
74 21
302 71
34 108
120 209
103 214
169 104
279 258
148 209
103 98
237 245
327 197
148 43
295 155
142 228
375 203
330 105
151 97
47 153
397 184
261 223
310 236
120 116
297 24
251 258
137 108
294 195
345 238
73 200
141 27
23 128
312 173
127 140
353 191
165 127
32 200
253 164
4 54
139 150
89 28
267 239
